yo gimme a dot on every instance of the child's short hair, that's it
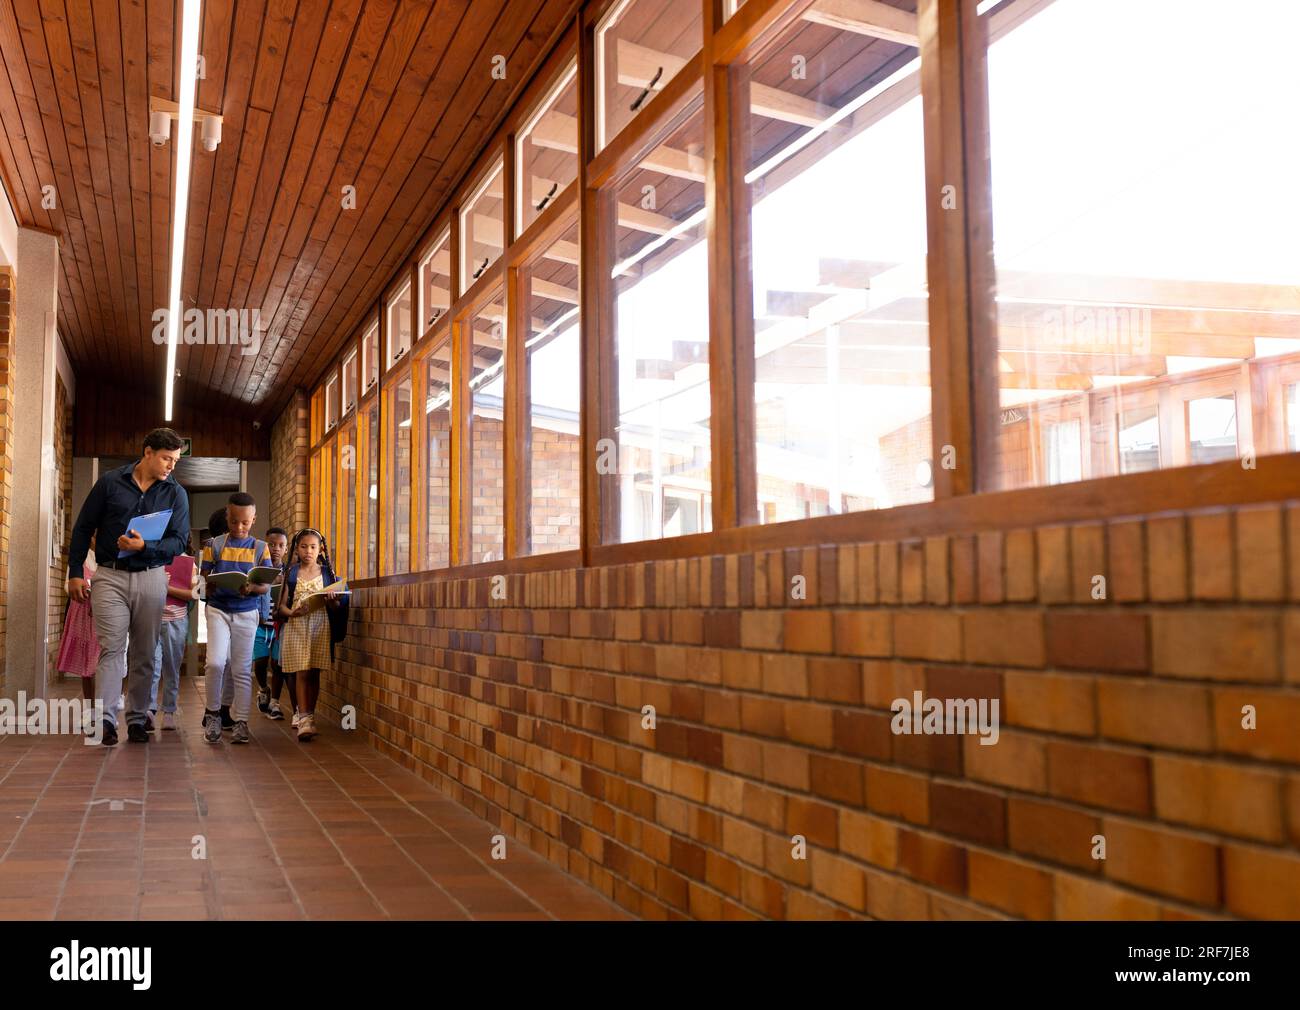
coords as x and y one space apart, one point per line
242 499
278 529
217 524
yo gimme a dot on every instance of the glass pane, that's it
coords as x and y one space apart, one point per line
640 47
1212 429
553 386
329 492
399 325
1139 440
1064 451
661 340
370 358
1149 265
349 382
836 173
331 402
314 498
486 432
437 454
317 416
482 229
346 547
435 283
398 493
547 152
372 489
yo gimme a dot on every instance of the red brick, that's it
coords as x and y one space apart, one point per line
808 631
887 573
978 815
818 822
991 568
1003 637
838 879
898 793
835 680
912 572
1218 644
868 590
865 734
1211 556
1080 898
1126 561
932 860
891 898
936 571
836 779
1010 884
1274 736
928 634
1054 832
1017 761
1261 576
964 570
1229 798
863 633
1148 712
1057 702
1021 568
761 629
1097 640
1087 560
1054 564
1167 558
1261 883
1157 859
871 839
1099 776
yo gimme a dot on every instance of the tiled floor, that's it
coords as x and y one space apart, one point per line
326 830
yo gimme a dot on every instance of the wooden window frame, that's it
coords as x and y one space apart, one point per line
963 329
387 465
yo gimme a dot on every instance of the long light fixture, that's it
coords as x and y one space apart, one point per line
188 59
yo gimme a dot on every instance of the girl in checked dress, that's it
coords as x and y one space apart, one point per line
306 644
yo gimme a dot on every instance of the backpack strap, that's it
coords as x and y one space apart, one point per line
259 548
218 545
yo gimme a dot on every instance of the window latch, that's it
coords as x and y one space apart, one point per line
479 272
648 88
547 198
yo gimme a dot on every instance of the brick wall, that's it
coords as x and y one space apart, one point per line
289 466
8 307
62 521
1121 717
555 509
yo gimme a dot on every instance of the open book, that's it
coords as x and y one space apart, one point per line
235 581
316 600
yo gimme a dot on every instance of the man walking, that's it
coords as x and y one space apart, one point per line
129 592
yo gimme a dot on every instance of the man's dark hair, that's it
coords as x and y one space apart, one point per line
278 529
163 438
217 524
241 499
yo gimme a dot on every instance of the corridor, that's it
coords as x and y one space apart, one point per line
326 830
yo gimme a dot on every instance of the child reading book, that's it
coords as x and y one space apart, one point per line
307 640
79 648
182 577
232 616
277 541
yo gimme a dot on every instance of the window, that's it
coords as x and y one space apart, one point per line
437 452
640 46
732 6
553 388
317 415
345 548
1063 451
1107 287
835 166
368 563
1212 429
315 497
397 493
329 491
546 153
661 340
482 228
1139 439
350 381
486 443
331 402
370 358
399 324
435 283
1292 420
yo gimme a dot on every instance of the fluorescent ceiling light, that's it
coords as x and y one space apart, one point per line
188 60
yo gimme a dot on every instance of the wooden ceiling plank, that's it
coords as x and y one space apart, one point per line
160 48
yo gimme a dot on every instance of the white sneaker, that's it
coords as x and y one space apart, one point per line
273 710
297 718
169 720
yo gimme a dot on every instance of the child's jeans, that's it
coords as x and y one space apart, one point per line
167 656
230 636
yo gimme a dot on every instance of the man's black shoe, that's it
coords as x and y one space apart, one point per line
226 721
110 734
136 733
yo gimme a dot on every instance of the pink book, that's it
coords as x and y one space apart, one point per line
180 573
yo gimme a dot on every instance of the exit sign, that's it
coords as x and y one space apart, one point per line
188 450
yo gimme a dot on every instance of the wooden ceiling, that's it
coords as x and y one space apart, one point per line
393 97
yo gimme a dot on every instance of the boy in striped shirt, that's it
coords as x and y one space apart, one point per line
232 617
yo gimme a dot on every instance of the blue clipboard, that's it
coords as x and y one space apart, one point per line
150 527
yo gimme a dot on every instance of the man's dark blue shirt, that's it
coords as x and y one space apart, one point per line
113 503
